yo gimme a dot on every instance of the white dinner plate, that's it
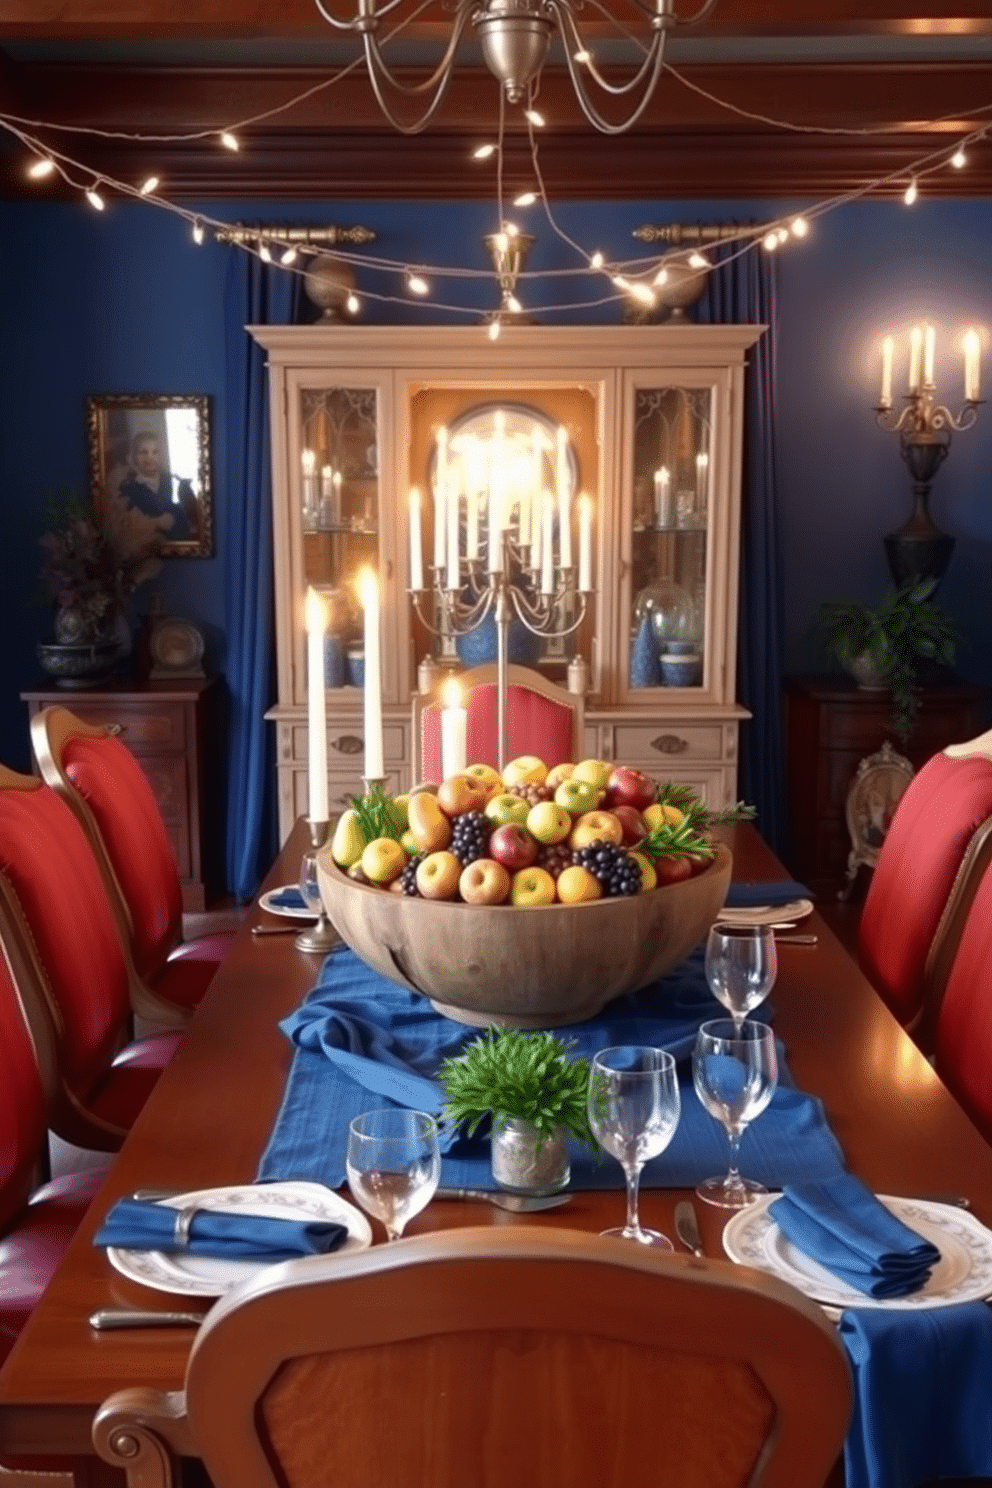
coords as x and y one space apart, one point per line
766 914
210 1276
292 912
963 1273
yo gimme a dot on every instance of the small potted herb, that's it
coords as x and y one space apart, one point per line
535 1095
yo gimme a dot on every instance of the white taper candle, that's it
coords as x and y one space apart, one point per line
316 623
416 543
369 588
453 731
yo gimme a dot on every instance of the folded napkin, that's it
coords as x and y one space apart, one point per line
289 898
134 1225
922 1402
842 1226
756 895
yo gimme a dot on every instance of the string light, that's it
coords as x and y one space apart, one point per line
290 256
583 57
525 199
597 260
147 187
959 158
782 235
513 304
494 329
661 277
621 282
642 293
698 261
770 241
263 251
533 117
799 227
41 168
417 284
229 141
353 304
483 152
95 199
911 192
197 232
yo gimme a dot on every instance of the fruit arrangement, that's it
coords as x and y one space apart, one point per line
529 836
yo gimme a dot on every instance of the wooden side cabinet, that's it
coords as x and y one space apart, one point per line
831 726
174 730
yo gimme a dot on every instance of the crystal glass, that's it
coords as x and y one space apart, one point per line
735 1072
309 887
393 1164
741 966
634 1106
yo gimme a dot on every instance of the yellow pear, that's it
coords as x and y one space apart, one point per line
347 844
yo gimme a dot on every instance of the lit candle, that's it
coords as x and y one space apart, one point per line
440 495
702 479
915 353
564 502
369 590
585 544
315 615
547 545
971 374
453 727
416 548
470 463
325 483
496 506
541 498
663 496
308 460
453 533
336 507
885 397
929 346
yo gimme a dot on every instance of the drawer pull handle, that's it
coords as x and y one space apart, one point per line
670 744
116 728
348 744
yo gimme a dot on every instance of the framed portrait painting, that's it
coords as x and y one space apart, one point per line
872 798
150 472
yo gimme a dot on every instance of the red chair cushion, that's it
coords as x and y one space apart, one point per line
963 1040
22 1104
939 812
537 725
115 788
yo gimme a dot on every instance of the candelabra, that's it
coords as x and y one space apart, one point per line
919 549
536 597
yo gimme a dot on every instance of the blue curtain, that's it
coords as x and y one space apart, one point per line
741 290
254 294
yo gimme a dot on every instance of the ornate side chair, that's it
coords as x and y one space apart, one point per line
64 950
109 793
544 719
958 1018
537 1358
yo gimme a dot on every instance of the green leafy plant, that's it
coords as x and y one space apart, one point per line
902 630
378 814
698 815
527 1076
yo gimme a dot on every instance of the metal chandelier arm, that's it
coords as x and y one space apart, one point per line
568 25
653 64
373 53
368 18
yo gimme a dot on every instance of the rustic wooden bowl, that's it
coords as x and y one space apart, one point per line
524 968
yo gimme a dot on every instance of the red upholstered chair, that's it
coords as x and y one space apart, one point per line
962 1014
939 838
108 791
544 719
64 951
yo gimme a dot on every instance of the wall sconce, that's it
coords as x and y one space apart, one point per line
919 549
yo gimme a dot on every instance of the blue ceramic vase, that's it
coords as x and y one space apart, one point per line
644 656
480 645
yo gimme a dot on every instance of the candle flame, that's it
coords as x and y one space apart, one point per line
309 461
315 613
452 694
415 498
586 504
368 588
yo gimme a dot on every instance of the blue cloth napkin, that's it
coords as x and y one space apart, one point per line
289 898
135 1225
841 1225
922 1394
756 895
362 1041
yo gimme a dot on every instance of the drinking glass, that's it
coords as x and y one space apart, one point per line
393 1164
634 1107
741 966
308 884
735 1072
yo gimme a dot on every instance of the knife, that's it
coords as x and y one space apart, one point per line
687 1228
112 1317
516 1203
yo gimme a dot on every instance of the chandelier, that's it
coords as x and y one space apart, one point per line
514 37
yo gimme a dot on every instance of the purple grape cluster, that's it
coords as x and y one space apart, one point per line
408 878
616 870
470 835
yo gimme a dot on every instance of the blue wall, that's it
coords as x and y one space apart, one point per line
124 302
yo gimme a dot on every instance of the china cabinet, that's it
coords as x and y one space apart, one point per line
483 438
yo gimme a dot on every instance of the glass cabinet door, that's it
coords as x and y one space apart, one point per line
671 506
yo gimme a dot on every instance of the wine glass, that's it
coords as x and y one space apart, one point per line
735 1072
634 1107
741 966
393 1164
308 884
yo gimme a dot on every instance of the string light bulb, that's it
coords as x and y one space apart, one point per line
583 57
911 192
197 232
494 329
353 304
525 199
229 141
147 187
770 241
263 251
621 282
661 277
698 260
799 227
513 304
959 158
95 199
597 260
534 118
417 285
41 168
782 235
483 152
642 292
290 256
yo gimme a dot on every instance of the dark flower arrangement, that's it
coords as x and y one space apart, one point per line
87 576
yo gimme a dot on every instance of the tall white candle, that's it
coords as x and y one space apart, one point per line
470 465
915 355
547 546
453 532
585 544
541 498
972 382
308 462
369 589
496 516
702 479
929 347
315 615
564 501
663 496
453 730
440 529
336 508
885 396
416 545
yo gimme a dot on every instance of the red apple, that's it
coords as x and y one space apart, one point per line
626 786
673 869
513 846
635 828
484 882
461 793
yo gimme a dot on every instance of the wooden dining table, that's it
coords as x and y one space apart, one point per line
209 1117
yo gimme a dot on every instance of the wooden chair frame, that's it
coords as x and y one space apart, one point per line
481 676
525 1289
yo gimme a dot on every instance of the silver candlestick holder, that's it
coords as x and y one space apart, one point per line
322 936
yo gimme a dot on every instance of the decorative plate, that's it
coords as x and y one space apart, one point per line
963 1273
176 648
210 1276
291 911
766 914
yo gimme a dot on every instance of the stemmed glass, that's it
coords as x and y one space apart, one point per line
634 1106
393 1164
735 1072
308 884
741 966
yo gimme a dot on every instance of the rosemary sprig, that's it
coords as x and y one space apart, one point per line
378 815
669 840
671 793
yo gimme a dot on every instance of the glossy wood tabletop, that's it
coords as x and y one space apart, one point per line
209 1117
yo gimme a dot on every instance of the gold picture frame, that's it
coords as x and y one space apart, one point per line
150 479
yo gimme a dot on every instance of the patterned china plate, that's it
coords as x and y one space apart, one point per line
291 911
766 914
963 1273
210 1276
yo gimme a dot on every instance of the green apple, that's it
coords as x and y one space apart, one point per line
549 822
531 888
577 796
526 769
505 808
598 771
383 860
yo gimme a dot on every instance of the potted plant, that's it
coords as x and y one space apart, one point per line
883 645
535 1095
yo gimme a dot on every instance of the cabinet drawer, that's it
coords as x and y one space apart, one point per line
346 744
664 743
161 728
